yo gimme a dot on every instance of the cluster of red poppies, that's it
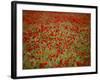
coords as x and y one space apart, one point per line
55 39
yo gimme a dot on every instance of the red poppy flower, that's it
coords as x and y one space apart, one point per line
43 64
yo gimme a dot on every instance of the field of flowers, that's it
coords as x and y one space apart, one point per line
56 39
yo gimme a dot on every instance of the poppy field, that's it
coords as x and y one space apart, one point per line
56 39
